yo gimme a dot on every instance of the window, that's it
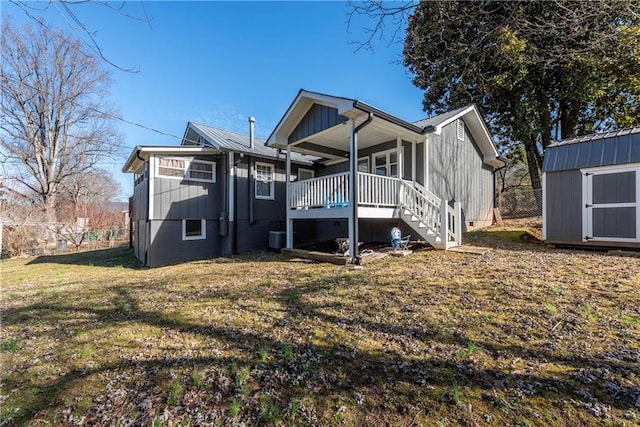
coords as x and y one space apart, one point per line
201 171
194 229
386 163
460 129
171 167
187 169
363 164
305 174
264 181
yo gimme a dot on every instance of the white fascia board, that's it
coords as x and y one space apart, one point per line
140 154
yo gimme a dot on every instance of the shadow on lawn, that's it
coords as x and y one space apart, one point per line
121 257
319 370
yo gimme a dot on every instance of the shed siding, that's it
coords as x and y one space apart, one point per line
318 118
563 194
457 171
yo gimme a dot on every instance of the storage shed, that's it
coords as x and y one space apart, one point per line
591 190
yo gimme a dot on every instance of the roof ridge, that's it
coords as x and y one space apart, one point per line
227 130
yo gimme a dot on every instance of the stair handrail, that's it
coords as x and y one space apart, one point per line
423 205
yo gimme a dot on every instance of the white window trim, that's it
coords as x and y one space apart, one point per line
372 165
203 225
587 193
272 183
187 170
188 176
311 171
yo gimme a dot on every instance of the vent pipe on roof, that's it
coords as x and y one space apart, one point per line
251 122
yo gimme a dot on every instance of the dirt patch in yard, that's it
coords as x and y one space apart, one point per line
522 335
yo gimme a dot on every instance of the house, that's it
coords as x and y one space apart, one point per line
217 194
333 167
433 178
591 190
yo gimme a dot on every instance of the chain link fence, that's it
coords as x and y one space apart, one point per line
520 203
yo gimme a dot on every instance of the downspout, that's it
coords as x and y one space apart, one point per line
495 181
353 177
250 193
234 248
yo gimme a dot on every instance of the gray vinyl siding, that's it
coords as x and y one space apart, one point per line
167 246
420 163
368 152
139 239
563 193
268 215
318 118
140 201
457 171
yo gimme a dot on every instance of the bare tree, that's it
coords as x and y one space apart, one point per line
54 118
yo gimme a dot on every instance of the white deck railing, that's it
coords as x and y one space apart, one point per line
329 191
332 191
377 191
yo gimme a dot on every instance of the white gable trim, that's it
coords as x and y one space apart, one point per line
299 107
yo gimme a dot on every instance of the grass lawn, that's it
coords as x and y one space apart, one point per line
523 335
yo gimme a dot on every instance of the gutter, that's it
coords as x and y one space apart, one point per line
386 116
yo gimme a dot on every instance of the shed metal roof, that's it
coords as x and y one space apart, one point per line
612 148
225 140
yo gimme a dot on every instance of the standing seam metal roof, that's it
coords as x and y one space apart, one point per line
612 148
225 140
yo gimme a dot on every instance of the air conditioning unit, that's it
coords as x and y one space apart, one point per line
277 240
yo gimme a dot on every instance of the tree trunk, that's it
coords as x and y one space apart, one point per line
50 206
533 161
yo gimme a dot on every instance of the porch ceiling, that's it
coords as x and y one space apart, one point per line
333 143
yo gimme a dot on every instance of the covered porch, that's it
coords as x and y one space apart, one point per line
368 164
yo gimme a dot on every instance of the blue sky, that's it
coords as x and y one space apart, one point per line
218 63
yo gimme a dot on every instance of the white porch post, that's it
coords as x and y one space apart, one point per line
457 208
444 224
413 161
289 221
426 164
400 157
353 196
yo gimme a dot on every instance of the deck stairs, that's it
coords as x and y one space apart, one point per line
430 217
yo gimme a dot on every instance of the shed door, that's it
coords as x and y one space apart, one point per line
611 205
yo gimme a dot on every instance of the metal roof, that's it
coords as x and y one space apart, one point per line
612 148
225 140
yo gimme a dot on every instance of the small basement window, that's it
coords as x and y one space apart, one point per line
460 129
194 229
264 181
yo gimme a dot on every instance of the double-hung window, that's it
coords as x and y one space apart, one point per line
264 175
